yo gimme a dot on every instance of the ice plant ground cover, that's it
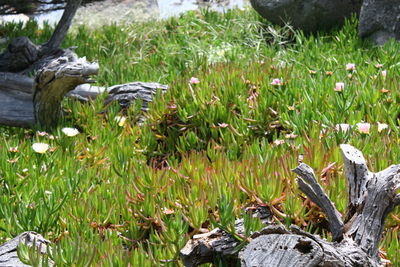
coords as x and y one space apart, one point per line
122 192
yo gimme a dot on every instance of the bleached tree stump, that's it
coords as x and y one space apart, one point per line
372 196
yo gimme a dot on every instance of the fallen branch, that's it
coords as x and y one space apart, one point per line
372 196
310 186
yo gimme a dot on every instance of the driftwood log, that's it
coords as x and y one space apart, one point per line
218 244
8 251
26 101
35 78
355 239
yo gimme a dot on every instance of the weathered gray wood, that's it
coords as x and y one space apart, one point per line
16 94
16 82
25 102
340 254
372 196
310 186
124 94
16 109
19 55
206 247
54 81
62 27
8 250
86 92
287 250
396 201
24 56
357 176
366 225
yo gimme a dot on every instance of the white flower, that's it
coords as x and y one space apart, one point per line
40 147
121 120
382 126
70 131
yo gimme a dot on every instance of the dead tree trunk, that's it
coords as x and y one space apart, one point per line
27 101
54 81
62 27
372 196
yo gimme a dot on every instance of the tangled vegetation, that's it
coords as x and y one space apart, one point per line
246 100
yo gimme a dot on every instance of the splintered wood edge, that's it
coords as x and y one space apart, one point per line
352 154
357 175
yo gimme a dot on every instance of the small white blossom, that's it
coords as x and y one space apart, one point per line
70 131
382 126
40 148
